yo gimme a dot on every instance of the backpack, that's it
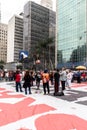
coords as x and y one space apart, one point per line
44 80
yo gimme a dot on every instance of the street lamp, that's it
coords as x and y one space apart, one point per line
38 61
37 64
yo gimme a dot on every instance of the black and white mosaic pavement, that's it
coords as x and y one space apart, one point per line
76 96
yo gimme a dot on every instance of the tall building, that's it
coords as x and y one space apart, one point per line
71 35
0 12
36 25
15 38
3 42
47 3
39 25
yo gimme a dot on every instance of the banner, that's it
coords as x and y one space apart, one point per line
23 55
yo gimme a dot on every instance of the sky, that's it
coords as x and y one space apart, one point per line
11 7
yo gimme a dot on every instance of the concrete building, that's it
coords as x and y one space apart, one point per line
47 3
39 25
15 38
0 12
3 42
71 35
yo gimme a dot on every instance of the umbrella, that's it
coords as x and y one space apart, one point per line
81 67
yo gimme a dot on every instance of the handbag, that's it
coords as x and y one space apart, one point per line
24 85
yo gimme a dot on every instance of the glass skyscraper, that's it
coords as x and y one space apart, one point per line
71 35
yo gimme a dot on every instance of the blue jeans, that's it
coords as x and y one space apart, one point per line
18 86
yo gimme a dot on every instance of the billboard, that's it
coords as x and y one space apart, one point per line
23 54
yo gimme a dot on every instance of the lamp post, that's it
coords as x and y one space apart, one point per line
51 55
37 64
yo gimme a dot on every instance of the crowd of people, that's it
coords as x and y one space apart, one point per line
59 79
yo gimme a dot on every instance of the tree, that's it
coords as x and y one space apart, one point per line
2 64
42 51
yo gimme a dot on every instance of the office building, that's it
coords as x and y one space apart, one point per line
15 38
71 35
3 42
39 25
47 3
0 12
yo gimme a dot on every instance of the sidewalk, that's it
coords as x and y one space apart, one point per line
43 112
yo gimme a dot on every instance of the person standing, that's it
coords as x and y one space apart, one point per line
51 77
78 76
18 81
69 78
83 75
27 82
45 79
56 82
63 78
38 79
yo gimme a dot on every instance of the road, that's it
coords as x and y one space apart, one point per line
43 112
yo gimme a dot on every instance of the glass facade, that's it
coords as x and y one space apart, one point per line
71 33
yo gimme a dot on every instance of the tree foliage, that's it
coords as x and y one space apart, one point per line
44 45
2 64
42 50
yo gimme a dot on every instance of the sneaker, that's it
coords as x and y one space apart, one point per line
21 90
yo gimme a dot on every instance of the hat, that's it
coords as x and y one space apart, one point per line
45 71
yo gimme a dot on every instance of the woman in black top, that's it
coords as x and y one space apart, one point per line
56 81
27 82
